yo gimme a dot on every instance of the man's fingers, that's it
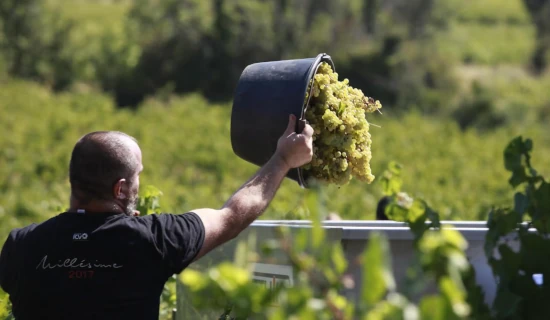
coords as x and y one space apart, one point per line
308 131
291 125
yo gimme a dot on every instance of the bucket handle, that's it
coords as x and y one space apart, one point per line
301 123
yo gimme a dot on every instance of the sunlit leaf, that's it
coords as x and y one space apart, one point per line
396 212
395 167
377 272
339 259
454 238
433 308
318 233
416 211
455 296
193 279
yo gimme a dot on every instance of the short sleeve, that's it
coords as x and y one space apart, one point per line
180 237
7 260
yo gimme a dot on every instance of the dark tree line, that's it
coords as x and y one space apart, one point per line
203 45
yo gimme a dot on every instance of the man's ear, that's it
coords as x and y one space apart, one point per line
118 189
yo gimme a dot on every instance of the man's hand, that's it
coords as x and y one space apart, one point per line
295 149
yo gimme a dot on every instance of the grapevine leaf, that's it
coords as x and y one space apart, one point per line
500 222
513 153
506 303
528 145
318 233
396 212
433 216
491 239
519 176
339 259
434 308
395 167
416 211
300 241
268 247
534 256
385 310
241 255
455 296
507 221
510 260
391 183
520 203
193 279
454 238
377 273
542 199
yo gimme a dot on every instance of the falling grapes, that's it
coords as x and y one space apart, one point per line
341 139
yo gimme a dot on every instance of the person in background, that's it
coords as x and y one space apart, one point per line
100 259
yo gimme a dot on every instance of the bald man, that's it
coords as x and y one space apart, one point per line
100 260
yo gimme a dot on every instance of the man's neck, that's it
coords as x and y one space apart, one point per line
95 206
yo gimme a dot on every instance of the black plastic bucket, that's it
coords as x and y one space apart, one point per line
266 94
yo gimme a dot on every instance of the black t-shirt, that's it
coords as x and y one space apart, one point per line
96 265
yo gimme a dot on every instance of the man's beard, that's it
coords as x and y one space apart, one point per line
131 205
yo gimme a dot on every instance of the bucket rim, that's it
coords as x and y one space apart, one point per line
321 57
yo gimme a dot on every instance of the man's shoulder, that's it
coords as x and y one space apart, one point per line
161 223
166 216
24 231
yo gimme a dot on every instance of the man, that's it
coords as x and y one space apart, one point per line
99 260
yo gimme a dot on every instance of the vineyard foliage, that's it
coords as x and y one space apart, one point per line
439 257
187 154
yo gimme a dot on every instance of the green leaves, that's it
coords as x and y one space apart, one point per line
455 295
313 204
391 179
377 272
507 304
500 223
339 259
434 307
149 200
4 305
394 307
440 256
514 153
521 202
542 200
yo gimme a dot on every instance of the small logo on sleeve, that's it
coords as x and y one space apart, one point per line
80 237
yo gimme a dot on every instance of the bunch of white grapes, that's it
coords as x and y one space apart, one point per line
341 139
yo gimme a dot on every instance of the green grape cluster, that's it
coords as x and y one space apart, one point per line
341 139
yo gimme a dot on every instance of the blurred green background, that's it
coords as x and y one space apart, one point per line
457 78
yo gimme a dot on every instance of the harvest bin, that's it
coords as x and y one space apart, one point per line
266 94
354 236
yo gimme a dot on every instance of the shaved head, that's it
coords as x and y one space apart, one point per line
99 160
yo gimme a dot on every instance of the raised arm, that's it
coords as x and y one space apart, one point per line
252 198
